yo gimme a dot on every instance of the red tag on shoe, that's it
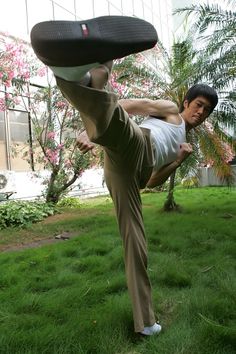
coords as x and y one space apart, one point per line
84 29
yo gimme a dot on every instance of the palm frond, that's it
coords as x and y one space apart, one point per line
215 153
207 15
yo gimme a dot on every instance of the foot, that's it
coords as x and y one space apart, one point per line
99 76
149 331
98 40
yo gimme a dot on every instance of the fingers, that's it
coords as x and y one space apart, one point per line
189 148
85 147
186 146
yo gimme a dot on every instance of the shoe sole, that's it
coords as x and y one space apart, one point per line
75 43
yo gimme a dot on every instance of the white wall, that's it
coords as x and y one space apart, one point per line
209 178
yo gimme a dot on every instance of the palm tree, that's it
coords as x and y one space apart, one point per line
175 73
215 28
214 63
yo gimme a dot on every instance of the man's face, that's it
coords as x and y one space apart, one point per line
196 111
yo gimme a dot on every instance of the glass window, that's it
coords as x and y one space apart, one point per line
20 102
19 129
117 3
13 17
84 12
138 8
3 161
39 11
2 127
113 10
148 15
61 13
115 7
127 7
101 8
18 162
68 4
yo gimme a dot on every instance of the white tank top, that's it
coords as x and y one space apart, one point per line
166 139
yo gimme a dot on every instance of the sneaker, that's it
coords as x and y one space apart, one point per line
97 40
149 331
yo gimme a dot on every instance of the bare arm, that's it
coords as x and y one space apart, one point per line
159 177
146 107
84 144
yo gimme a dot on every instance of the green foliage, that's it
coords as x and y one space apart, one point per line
22 213
190 182
205 53
69 202
54 122
71 297
55 130
214 30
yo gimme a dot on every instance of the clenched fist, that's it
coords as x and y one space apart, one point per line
84 144
185 150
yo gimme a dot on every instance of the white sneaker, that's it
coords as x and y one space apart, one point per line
149 331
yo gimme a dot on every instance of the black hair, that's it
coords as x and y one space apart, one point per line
201 90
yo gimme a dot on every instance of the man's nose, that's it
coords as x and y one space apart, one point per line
201 109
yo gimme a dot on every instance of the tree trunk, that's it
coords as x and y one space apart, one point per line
52 195
170 204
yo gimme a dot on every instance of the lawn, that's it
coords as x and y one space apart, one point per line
70 297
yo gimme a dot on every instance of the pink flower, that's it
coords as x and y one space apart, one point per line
52 156
61 104
7 83
11 75
51 135
2 105
26 75
42 71
68 164
60 146
16 100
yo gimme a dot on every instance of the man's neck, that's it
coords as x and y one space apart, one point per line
187 126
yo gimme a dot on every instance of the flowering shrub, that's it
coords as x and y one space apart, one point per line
54 122
17 66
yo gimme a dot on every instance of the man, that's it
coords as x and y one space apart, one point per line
134 156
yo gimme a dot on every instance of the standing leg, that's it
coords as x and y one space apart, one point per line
124 191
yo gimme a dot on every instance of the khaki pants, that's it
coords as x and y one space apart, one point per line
127 167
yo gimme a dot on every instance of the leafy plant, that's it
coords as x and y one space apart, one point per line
22 213
69 202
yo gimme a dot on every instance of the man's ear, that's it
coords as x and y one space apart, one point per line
185 104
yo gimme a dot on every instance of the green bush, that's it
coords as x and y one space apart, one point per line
69 202
22 213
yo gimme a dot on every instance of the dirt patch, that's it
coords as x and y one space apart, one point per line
64 236
27 239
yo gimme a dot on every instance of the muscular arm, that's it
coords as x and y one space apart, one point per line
159 177
147 107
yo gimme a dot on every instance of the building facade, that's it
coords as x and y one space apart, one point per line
19 16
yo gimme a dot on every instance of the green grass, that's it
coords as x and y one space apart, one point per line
70 297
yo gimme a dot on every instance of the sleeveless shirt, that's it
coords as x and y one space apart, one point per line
166 139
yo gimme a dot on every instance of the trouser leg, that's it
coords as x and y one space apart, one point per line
96 107
124 191
126 152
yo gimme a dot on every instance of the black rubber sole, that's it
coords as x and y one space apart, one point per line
75 43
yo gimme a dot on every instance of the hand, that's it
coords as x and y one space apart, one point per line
84 144
185 150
